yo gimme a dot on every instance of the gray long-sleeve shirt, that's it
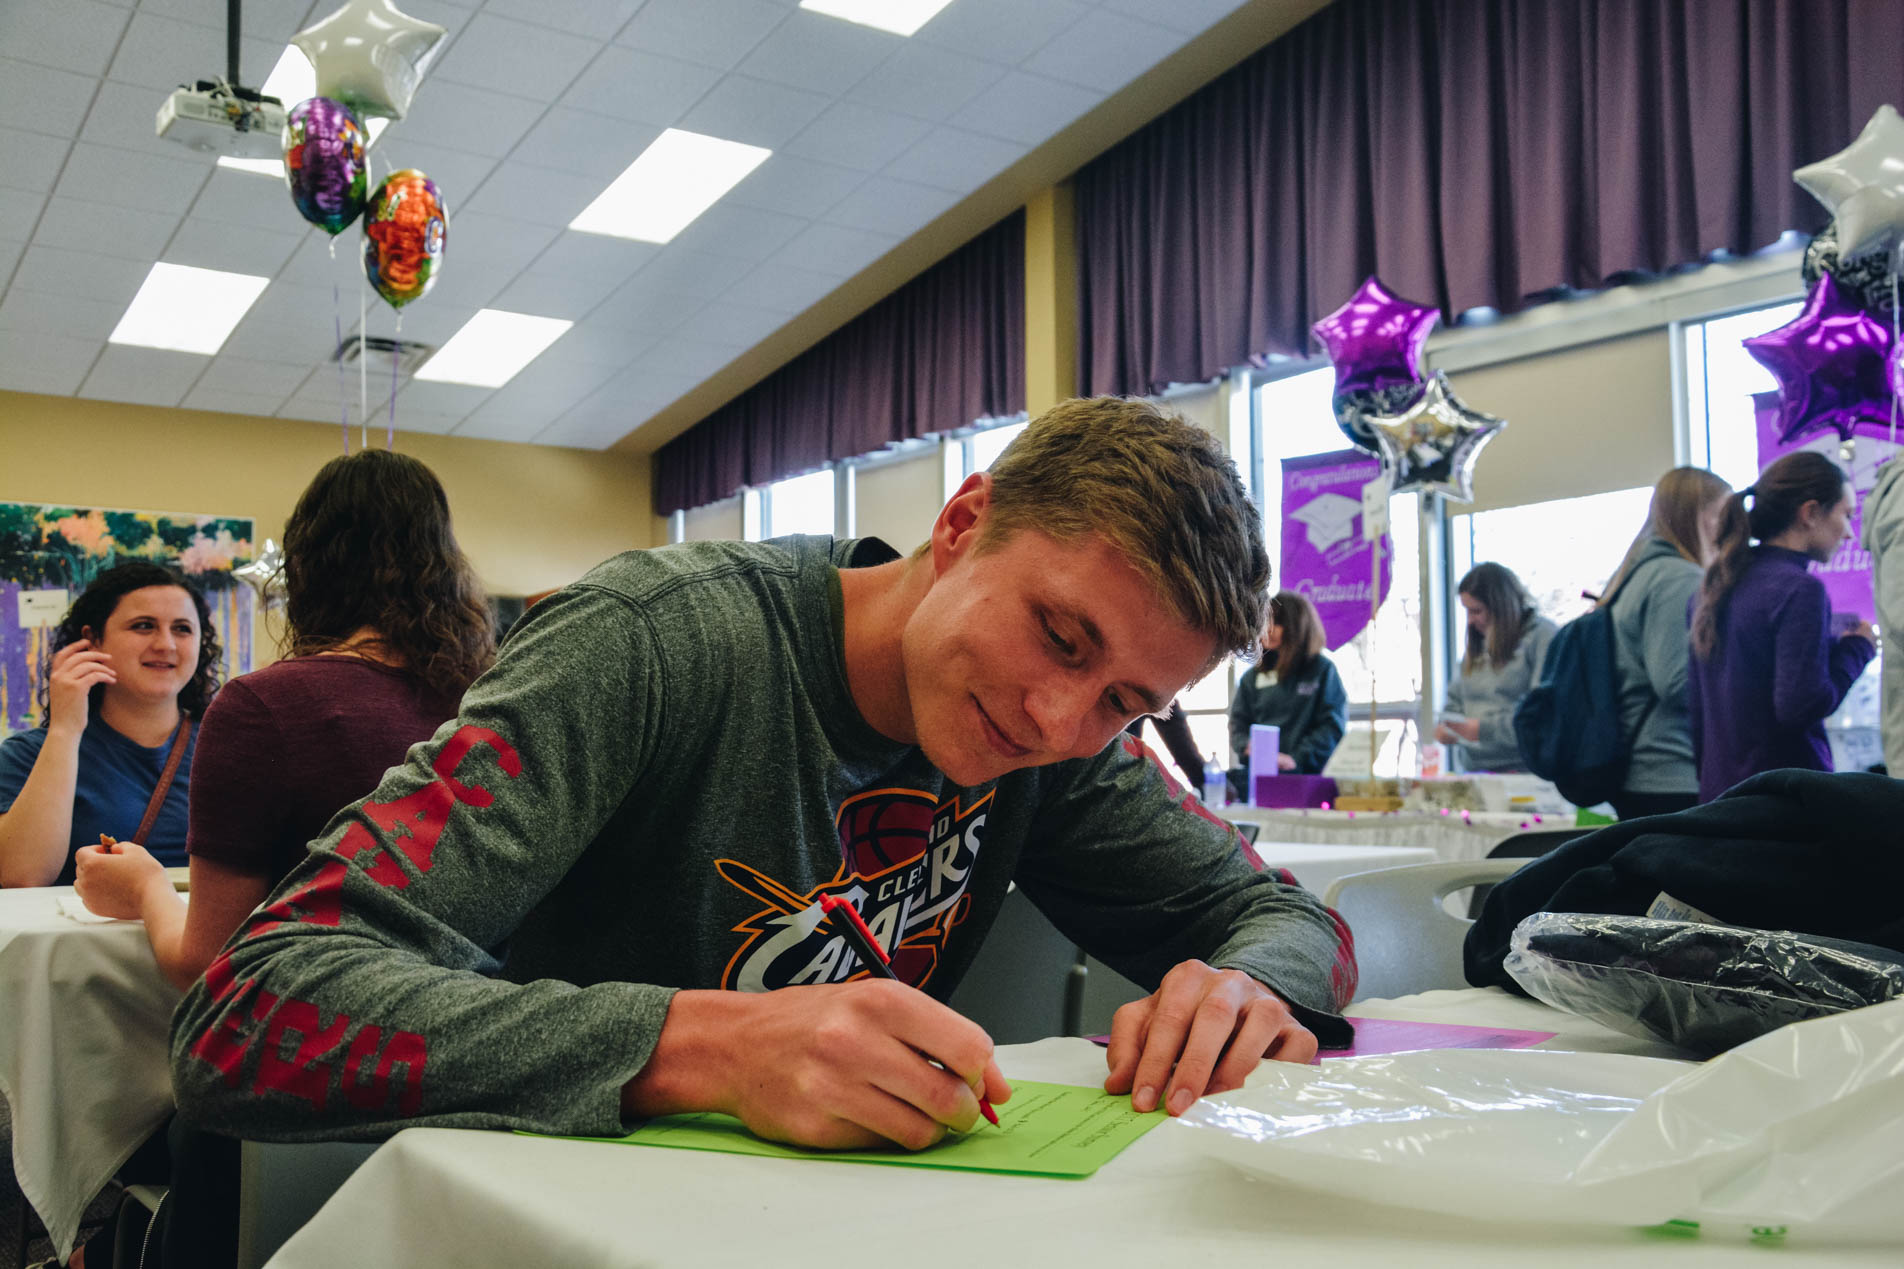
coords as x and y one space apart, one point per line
1489 695
1653 639
662 773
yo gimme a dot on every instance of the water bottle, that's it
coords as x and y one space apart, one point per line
1216 783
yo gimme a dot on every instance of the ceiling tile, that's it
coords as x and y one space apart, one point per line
754 112
640 311
127 178
582 141
122 115
592 431
1105 52
795 187
541 195
42 98
228 373
9 255
824 54
19 212
60 313
781 287
161 53
431 322
745 233
304 314
439 398
40 361
74 35
304 346
478 120
267 19
1005 31
420 422
1188 16
243 198
311 263
595 342
641 87
738 326
235 248
923 80
899 208
86 273
580 255
259 405
1026 108
125 232
498 248
852 135
683 272
518 57
314 410
31 160
535 398
596 19
837 249
142 376
543 295
955 160
715 32
457 173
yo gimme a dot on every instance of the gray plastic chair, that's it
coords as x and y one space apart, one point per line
1405 939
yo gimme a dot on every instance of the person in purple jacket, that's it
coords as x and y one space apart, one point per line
1766 668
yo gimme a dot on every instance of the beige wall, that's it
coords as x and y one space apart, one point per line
717 522
531 517
898 501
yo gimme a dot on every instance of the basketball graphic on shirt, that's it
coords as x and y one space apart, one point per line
884 830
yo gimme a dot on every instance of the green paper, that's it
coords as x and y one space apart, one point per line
1044 1130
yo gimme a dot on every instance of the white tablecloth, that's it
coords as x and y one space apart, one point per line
84 1014
474 1198
1450 836
1317 867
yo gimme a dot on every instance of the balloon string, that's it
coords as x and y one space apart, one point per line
363 365
396 355
337 326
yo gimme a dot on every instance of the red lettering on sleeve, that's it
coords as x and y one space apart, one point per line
452 754
306 1075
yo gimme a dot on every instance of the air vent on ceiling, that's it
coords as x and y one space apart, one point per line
411 353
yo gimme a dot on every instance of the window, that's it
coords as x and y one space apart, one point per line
802 504
989 444
1558 549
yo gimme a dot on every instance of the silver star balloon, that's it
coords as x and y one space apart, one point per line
265 575
369 56
1863 185
1432 445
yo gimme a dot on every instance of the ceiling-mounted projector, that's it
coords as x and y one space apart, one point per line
215 118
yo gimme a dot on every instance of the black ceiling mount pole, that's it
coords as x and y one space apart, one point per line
234 24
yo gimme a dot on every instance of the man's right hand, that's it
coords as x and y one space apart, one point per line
836 1066
77 669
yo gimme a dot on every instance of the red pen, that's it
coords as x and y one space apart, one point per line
874 957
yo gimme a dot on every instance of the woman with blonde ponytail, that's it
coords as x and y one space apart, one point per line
1766 668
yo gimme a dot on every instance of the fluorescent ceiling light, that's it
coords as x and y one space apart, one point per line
901 17
679 176
184 309
492 347
293 80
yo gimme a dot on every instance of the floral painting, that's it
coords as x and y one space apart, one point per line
48 554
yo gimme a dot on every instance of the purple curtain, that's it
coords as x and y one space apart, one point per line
1471 152
942 351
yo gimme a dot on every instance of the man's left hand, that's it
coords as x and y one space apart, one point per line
1212 1025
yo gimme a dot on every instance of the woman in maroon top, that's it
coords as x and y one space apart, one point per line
388 626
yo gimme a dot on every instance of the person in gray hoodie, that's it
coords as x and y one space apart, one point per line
1650 596
1507 643
596 894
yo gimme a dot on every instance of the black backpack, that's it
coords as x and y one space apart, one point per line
1568 726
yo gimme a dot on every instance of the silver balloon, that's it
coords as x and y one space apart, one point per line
1868 277
1863 185
265 575
370 56
1432 445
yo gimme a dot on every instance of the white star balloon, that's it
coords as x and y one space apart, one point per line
1432 445
1863 185
265 575
370 56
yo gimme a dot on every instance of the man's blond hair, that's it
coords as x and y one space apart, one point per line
1158 489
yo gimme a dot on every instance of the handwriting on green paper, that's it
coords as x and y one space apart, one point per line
1044 1130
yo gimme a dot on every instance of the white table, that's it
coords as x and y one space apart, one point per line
1317 866
84 1016
476 1198
1452 836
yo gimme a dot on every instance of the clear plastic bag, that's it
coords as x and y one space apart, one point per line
1702 987
1792 1135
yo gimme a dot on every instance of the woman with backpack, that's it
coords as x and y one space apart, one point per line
1767 669
1649 599
1507 641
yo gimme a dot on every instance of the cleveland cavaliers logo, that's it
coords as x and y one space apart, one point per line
905 862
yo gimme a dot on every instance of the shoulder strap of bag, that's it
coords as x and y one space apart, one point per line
181 740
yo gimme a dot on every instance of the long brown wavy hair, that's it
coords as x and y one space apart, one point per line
370 544
1510 610
1679 501
1781 493
1302 636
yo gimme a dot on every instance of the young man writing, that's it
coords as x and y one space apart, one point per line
582 900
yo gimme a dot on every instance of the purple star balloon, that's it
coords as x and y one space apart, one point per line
1830 365
1375 339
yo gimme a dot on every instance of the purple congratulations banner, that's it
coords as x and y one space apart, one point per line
1324 557
1847 575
